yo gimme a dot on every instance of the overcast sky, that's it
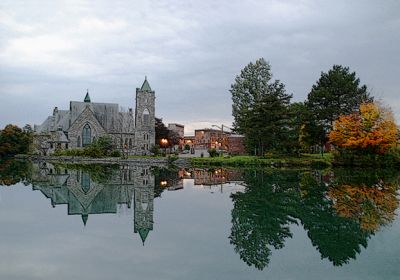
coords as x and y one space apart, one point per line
191 51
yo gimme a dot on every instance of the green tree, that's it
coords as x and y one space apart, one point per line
297 118
13 140
260 108
336 93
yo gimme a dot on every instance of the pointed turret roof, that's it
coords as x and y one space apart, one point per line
143 232
146 85
87 97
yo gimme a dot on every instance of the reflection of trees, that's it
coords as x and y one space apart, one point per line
261 216
372 205
100 173
337 238
14 171
161 175
340 210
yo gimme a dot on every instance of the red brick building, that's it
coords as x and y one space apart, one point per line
236 145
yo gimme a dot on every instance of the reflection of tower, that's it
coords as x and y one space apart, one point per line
143 202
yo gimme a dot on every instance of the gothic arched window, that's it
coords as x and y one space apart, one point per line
78 141
146 117
85 182
86 135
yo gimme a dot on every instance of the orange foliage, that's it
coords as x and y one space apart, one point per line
371 206
372 129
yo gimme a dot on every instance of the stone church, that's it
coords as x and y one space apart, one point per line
131 132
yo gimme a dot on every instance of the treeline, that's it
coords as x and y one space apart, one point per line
264 113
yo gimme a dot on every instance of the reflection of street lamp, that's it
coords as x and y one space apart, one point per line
163 183
164 143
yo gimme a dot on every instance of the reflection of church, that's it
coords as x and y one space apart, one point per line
85 194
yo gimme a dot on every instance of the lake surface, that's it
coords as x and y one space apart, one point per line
138 222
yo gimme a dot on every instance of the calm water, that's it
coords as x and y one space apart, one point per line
136 222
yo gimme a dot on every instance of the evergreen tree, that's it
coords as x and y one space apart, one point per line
336 93
260 108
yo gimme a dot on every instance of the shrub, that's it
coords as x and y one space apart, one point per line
115 153
213 152
171 158
155 150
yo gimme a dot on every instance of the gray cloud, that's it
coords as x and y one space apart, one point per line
191 52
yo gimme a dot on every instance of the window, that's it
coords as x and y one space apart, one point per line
66 146
78 141
86 135
146 117
85 182
130 143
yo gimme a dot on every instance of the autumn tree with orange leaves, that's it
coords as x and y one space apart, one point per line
372 130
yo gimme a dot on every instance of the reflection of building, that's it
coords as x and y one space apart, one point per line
144 197
85 195
209 177
132 131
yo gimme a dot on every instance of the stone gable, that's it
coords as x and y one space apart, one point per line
75 130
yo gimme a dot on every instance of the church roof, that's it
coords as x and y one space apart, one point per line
146 85
143 232
87 97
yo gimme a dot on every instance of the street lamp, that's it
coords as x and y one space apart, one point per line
164 143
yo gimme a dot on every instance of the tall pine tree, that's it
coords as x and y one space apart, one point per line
336 93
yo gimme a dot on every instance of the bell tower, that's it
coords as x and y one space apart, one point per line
145 118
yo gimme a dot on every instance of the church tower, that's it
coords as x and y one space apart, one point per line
145 118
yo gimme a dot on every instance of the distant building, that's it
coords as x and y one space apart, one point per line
209 138
189 140
84 122
236 145
179 129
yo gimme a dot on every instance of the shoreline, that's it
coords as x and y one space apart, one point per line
153 161
238 161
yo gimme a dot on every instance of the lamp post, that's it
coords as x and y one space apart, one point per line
164 143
